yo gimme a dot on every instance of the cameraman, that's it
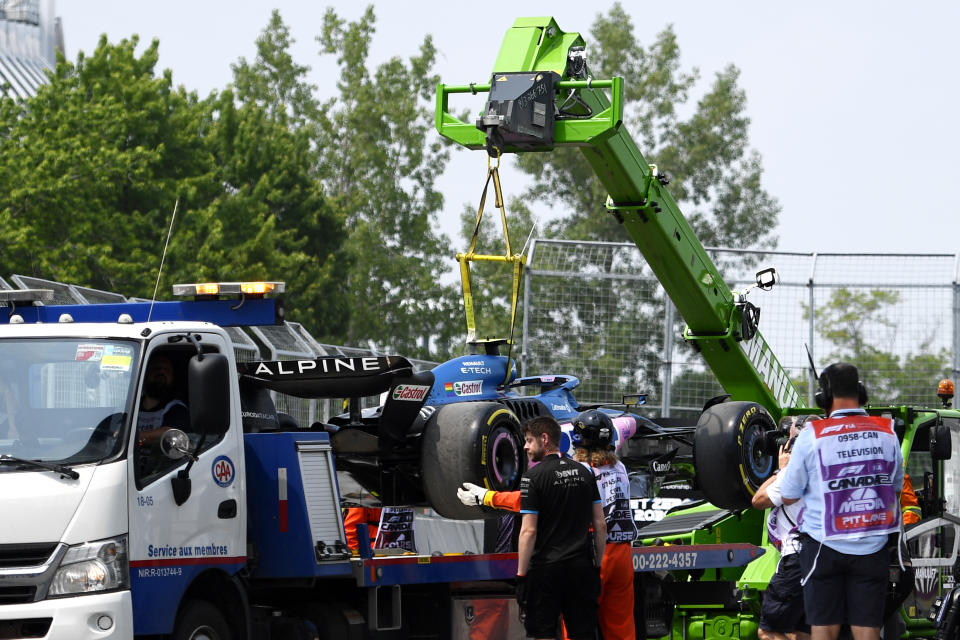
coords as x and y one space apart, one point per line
843 465
782 610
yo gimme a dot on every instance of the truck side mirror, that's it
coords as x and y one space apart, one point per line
175 445
208 377
941 444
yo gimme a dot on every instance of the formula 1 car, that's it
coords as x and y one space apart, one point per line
461 422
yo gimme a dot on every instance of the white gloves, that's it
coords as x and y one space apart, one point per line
471 495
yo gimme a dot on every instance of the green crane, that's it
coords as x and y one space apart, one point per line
536 62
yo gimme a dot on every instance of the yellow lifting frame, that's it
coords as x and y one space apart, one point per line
516 259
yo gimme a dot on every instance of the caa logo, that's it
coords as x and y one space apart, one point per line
223 471
471 388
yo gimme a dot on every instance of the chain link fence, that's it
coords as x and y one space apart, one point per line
595 310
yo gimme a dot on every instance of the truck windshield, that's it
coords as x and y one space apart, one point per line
64 400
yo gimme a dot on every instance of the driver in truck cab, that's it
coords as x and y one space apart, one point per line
160 411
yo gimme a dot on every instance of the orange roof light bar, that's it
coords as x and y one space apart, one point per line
258 288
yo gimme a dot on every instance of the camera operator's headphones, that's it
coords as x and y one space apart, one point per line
824 395
593 429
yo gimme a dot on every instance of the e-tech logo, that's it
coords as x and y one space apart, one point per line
410 392
469 388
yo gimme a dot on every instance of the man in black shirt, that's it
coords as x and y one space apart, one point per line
558 559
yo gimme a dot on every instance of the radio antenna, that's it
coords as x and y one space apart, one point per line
813 367
162 258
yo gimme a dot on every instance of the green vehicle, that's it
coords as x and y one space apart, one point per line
541 97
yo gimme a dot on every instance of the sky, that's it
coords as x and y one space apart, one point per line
853 104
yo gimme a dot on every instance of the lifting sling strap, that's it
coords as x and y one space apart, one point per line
517 260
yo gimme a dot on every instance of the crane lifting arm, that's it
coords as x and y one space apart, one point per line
541 97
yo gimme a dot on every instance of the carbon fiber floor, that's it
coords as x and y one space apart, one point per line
683 523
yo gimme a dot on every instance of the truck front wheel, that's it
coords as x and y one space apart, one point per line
478 442
200 620
728 453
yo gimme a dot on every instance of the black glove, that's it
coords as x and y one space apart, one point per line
521 591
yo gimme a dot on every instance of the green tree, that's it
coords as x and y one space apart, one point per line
92 166
272 219
96 161
274 81
379 163
854 322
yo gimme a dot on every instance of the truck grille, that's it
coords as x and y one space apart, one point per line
17 594
14 556
26 628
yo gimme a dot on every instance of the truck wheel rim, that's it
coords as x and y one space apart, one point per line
205 633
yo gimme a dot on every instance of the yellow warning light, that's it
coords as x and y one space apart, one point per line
256 288
945 391
208 289
221 289
945 387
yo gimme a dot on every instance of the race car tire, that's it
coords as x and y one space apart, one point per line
728 453
478 442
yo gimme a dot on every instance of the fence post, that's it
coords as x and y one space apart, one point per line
667 356
955 370
811 329
526 309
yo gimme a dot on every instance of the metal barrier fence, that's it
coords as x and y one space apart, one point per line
287 341
595 310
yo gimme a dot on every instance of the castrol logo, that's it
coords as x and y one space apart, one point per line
410 392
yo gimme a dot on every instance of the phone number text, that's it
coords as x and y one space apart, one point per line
667 561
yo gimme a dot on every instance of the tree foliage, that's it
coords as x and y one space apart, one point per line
379 166
335 198
93 165
272 218
857 327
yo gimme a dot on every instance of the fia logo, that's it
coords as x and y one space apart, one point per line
223 471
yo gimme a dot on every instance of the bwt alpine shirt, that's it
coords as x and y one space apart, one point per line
562 493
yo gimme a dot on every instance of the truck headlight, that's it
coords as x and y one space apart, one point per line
92 566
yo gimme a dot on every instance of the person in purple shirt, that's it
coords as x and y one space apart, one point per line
848 470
